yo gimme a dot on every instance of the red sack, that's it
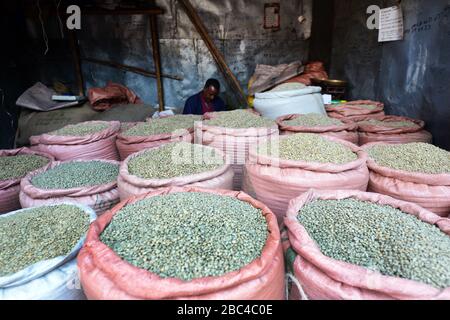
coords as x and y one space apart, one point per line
94 146
347 131
378 133
100 197
322 277
130 185
234 143
10 189
306 77
103 98
431 191
127 145
353 111
275 181
314 66
104 275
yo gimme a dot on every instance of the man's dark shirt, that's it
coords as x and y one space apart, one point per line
193 105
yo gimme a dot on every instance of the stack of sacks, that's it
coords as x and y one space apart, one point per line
313 70
356 110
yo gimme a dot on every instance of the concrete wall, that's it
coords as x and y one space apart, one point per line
236 27
410 76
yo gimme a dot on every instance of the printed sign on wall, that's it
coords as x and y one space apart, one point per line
391 24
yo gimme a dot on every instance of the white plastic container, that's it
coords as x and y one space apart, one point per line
274 104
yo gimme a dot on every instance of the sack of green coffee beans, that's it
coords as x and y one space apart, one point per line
354 110
233 132
280 170
156 132
83 141
174 164
184 243
366 246
392 129
14 165
320 124
38 249
124 126
414 172
90 182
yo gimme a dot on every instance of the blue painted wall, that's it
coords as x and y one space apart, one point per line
411 76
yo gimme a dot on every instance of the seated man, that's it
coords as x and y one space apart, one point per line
206 100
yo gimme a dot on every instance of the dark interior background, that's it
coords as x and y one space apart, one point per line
411 76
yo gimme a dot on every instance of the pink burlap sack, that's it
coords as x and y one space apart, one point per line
353 111
124 126
378 133
347 131
128 145
104 275
10 189
234 143
322 277
130 185
100 198
275 181
98 145
102 99
430 191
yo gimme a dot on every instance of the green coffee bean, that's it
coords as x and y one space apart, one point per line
175 160
163 125
309 148
15 167
76 174
412 157
80 129
313 120
239 119
380 238
39 234
188 235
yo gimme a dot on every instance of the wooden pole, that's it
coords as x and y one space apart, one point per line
157 60
201 29
130 68
76 60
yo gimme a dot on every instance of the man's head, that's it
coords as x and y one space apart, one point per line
211 89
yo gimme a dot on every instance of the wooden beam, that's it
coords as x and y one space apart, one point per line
77 61
131 69
157 61
218 57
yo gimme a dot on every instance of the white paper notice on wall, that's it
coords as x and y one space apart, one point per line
391 24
